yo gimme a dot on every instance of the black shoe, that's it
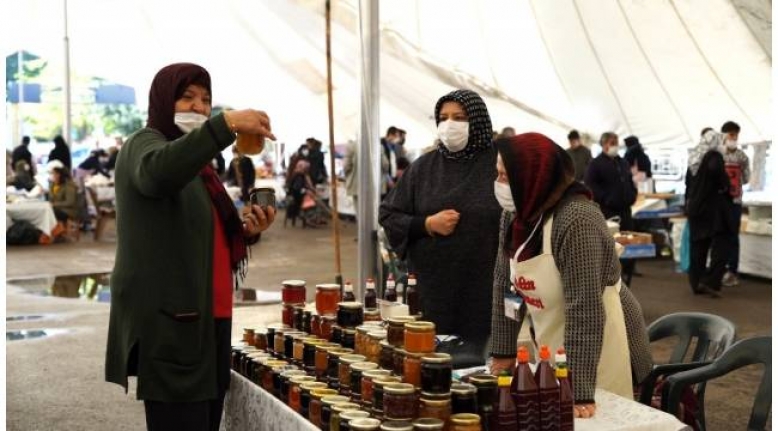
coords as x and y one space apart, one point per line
715 294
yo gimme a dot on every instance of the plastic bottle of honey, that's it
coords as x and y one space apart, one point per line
504 418
412 296
566 399
391 291
525 393
370 295
548 392
348 292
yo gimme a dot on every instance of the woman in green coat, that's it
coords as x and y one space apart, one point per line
180 245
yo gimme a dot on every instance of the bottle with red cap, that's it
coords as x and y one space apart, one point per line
548 392
505 414
348 292
370 295
412 296
525 393
391 289
566 400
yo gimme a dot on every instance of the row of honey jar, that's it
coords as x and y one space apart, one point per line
352 384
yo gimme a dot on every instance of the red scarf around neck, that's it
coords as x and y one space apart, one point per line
233 227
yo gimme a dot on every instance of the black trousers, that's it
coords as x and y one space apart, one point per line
198 415
720 248
60 215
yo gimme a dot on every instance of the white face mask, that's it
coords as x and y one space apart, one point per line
731 145
188 121
454 134
503 194
613 151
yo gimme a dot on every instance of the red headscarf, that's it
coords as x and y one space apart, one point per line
540 174
168 86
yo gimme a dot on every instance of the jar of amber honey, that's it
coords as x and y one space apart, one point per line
327 298
333 366
420 337
395 331
400 402
465 422
366 384
325 327
373 346
315 405
344 372
320 361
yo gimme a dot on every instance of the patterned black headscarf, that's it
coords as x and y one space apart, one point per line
480 124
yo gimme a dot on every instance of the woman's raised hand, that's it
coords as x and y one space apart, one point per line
249 121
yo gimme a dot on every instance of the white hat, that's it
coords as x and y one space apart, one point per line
54 164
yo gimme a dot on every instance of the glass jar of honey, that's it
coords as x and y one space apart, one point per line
400 402
248 336
435 406
287 314
420 337
377 408
298 317
295 391
465 422
305 395
281 383
333 366
266 373
463 398
436 370
316 325
350 314
293 291
356 371
349 338
366 424
412 369
386 360
395 331
309 354
320 361
350 415
337 409
373 346
397 426
398 358
327 298
428 424
289 337
260 340
366 385
298 349
325 327
306 326
314 406
372 315
326 409
360 342
344 372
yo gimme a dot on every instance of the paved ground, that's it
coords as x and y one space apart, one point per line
57 382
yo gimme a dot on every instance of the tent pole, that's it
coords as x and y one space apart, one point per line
20 87
333 176
66 127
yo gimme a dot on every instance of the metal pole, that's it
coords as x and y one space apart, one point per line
66 87
368 158
333 177
20 88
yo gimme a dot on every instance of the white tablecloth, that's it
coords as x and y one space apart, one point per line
248 407
39 213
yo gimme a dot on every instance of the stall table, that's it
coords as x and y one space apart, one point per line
39 213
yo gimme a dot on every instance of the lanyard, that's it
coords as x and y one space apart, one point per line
523 245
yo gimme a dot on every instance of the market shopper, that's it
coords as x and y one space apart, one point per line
181 245
738 169
442 218
580 153
556 252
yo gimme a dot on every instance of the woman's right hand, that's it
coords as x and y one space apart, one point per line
249 121
443 223
498 365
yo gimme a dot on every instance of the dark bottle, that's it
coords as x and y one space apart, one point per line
486 397
566 400
548 392
525 393
391 291
412 296
370 295
348 292
504 416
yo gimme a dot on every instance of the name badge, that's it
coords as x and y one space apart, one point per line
512 305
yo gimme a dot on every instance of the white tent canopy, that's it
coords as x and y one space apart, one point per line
660 69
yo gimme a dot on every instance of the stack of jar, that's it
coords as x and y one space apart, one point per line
293 302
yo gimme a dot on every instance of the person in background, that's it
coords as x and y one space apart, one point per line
738 169
350 170
113 153
9 168
22 152
63 195
302 153
181 248
61 152
580 154
638 160
95 163
402 166
556 252
301 186
23 178
443 219
610 179
318 170
389 160
399 146
241 173
508 132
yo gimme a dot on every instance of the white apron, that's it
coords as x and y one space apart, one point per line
538 281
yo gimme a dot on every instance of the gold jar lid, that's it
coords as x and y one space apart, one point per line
350 415
385 345
436 397
363 366
297 380
483 380
376 374
293 283
342 407
414 355
364 424
436 358
377 335
272 362
327 346
420 326
399 389
463 389
428 424
397 426
328 286
311 386
350 305
400 320
465 419
352 359
436 403
323 392
334 399
313 341
368 327
288 374
386 380
340 352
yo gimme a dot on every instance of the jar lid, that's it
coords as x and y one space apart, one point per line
323 392
340 351
293 283
363 366
385 345
272 362
428 424
483 380
292 373
377 335
276 326
334 399
352 359
368 327
294 305
436 397
463 389
342 407
397 426
436 358
401 320
349 331
350 415
465 419
328 286
364 424
420 326
311 386
386 380
414 355
313 341
248 330
264 189
327 346
435 402
376 374
302 379
258 355
329 317
372 312
400 389
350 305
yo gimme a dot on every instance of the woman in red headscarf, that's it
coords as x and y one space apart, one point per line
556 253
180 246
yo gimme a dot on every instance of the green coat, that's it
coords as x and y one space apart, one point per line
66 199
161 286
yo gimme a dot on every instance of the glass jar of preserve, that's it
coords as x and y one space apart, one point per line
412 369
260 340
400 402
356 371
465 422
344 372
289 338
397 426
360 341
333 366
326 409
428 424
271 335
287 314
436 372
305 395
372 315
256 362
327 298
325 328
420 337
316 325
366 385
295 391
298 317
348 339
377 408
293 291
435 406
309 354
337 335
278 343
368 424
306 326
373 346
248 336
463 398
386 360
337 409
314 406
320 360
395 331
283 383
235 353
399 361
244 357
266 373
486 395
298 349
350 314
348 416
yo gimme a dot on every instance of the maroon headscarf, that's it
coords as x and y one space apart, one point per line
167 87
540 174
